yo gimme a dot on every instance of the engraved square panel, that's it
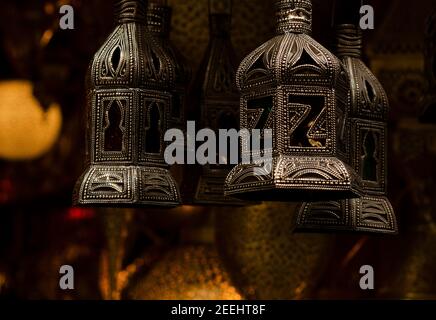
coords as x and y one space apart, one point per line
375 213
107 184
157 185
329 214
305 122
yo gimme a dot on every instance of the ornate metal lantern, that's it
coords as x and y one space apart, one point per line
130 101
216 95
296 87
368 150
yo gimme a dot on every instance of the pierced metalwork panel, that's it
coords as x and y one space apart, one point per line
114 65
131 83
257 112
295 86
369 98
308 121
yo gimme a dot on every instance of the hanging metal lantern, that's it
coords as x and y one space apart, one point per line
216 95
368 150
429 100
130 86
159 24
296 87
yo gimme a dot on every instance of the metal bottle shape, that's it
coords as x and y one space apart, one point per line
296 87
367 142
130 85
217 97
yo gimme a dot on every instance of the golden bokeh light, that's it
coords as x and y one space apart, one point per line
26 130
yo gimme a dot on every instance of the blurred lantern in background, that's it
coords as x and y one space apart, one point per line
190 270
264 259
215 105
185 273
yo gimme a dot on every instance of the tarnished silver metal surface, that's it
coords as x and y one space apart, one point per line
294 86
367 140
131 85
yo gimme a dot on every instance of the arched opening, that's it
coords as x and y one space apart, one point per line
113 135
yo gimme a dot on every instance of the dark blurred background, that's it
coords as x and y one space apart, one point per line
196 252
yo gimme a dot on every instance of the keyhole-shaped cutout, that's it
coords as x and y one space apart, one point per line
113 136
370 161
153 131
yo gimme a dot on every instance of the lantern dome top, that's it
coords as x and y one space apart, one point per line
292 57
131 56
289 58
